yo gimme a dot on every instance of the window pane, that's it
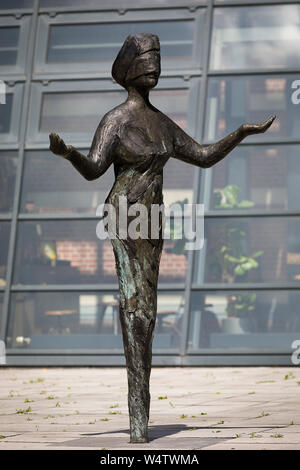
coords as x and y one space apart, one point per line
63 251
4 241
83 320
51 184
15 4
5 114
77 111
81 112
257 177
245 320
9 42
233 101
168 328
8 162
258 249
64 320
100 43
178 182
174 103
256 37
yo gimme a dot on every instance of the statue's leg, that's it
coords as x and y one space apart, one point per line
137 338
137 270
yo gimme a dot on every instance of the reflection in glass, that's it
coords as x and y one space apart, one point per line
258 249
233 101
169 321
81 112
51 185
92 42
257 177
244 320
64 320
77 111
4 241
9 42
15 4
69 252
256 37
5 115
173 103
178 182
83 320
8 162
62 251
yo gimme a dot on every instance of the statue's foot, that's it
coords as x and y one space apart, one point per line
139 441
139 437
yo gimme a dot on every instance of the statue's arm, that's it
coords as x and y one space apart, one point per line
100 156
190 151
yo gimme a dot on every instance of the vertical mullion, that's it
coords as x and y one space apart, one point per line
17 195
200 121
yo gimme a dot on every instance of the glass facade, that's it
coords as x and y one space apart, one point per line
224 62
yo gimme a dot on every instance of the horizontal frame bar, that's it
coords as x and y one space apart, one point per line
85 287
246 213
208 360
251 213
249 286
260 71
241 3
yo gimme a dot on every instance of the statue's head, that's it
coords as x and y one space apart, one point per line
138 62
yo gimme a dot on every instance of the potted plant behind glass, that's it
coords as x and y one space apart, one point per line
235 263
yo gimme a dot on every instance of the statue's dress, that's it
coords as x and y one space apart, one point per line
138 166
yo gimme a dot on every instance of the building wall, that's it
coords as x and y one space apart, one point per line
224 62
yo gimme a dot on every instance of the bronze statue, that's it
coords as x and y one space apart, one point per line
138 139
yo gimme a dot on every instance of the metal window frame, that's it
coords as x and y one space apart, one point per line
127 5
221 3
108 17
23 22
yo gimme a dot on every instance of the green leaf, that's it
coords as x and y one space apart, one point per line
258 253
239 271
239 306
231 193
232 259
245 204
250 264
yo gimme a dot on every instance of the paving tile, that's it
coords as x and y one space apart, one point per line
202 408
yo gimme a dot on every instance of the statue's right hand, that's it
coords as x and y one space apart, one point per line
57 145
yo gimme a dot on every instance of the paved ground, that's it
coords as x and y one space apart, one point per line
191 408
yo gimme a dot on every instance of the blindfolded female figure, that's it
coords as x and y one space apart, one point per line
138 139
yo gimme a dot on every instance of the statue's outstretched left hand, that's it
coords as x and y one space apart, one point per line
257 128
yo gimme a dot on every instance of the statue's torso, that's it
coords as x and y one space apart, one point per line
145 144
